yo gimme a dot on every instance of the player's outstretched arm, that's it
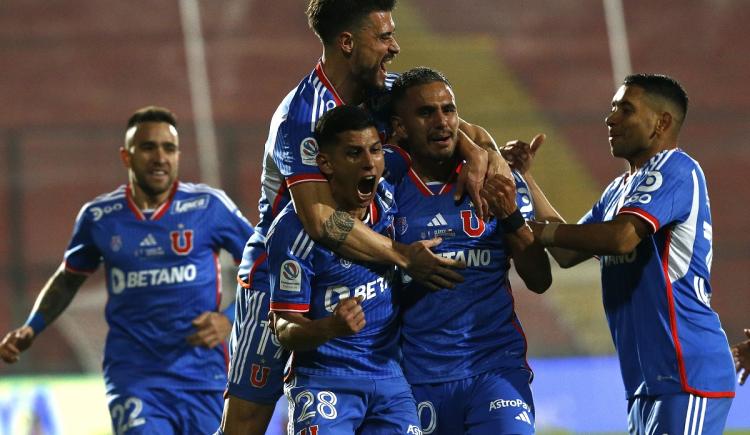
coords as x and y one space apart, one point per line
211 329
520 155
51 302
529 258
741 354
350 238
619 236
297 332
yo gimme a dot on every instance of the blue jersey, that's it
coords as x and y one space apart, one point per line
455 334
309 278
290 152
657 298
162 271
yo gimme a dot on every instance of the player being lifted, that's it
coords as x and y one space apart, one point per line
463 348
165 356
358 43
652 231
339 317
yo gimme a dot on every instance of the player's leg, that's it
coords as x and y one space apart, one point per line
326 405
140 411
500 402
391 409
678 413
256 367
440 409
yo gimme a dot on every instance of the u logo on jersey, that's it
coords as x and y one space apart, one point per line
182 241
263 371
467 219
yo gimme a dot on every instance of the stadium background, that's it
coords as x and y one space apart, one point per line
71 72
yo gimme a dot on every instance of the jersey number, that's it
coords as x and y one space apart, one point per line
326 405
124 418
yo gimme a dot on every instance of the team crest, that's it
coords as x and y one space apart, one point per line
468 219
259 376
401 225
290 276
308 149
115 243
345 263
182 241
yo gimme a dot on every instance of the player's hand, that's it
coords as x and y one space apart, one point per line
15 342
471 177
212 328
520 154
741 354
500 193
348 317
430 270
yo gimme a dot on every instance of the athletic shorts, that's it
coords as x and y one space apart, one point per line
157 411
346 406
256 367
677 414
493 403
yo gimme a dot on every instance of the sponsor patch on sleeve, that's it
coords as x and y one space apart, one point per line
290 276
308 149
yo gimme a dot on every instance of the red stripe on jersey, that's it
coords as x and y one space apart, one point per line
419 183
374 216
217 264
675 336
131 204
327 83
70 268
251 274
650 219
289 306
164 207
291 181
277 200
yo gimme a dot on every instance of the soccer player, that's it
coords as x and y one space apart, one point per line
741 354
165 359
337 316
464 351
358 43
651 229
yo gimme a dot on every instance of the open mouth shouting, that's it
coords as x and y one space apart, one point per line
366 189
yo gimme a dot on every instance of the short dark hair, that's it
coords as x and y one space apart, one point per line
152 114
328 18
338 120
662 86
418 76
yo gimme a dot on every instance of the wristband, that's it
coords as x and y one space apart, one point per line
36 322
513 222
548 233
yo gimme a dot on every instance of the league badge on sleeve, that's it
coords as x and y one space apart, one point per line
308 149
290 276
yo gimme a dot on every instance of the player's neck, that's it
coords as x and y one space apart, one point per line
430 170
145 201
640 160
342 205
338 73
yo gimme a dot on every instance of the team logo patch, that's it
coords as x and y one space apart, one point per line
308 149
182 241
186 205
290 276
401 225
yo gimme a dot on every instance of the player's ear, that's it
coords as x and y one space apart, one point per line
664 122
324 164
345 42
125 157
399 130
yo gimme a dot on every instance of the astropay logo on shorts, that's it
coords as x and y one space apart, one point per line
515 403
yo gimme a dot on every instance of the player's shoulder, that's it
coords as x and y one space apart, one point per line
288 224
105 204
193 196
673 162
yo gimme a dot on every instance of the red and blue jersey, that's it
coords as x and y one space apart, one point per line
657 298
162 271
309 278
454 334
290 152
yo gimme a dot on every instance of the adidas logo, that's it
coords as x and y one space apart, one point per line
150 240
524 416
437 221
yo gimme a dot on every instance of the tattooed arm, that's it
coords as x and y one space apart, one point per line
351 238
51 302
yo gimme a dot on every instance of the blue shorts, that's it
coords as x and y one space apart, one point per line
677 414
345 406
493 403
146 411
256 367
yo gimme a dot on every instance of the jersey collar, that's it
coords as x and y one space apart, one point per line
327 83
158 213
425 189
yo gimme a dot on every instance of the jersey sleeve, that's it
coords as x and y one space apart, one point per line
664 195
232 229
523 197
82 255
295 148
290 270
397 163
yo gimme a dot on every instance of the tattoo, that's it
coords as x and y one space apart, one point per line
58 293
336 228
